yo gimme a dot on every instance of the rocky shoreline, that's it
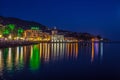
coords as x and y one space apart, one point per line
4 44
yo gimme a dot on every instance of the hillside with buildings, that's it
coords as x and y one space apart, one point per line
28 30
20 23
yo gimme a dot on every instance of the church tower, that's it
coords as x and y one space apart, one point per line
54 31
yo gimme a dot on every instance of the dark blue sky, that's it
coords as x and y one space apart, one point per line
93 16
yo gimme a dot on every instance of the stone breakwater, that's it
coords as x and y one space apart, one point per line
14 43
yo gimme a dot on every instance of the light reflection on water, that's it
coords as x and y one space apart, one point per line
101 50
17 58
1 62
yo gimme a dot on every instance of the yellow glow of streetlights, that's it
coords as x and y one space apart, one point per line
0 35
10 36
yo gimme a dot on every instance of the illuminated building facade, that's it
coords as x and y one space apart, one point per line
45 36
70 39
55 37
32 34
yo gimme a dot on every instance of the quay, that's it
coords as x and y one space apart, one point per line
14 43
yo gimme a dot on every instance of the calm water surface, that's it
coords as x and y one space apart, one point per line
53 61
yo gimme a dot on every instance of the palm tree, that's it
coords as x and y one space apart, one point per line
1 31
6 33
20 32
11 28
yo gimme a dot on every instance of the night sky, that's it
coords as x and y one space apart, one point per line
92 16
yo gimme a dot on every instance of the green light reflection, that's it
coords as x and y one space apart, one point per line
35 57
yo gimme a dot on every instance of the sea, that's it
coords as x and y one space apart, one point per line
61 61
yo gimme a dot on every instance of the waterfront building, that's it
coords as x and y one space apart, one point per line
70 39
33 34
45 36
56 37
